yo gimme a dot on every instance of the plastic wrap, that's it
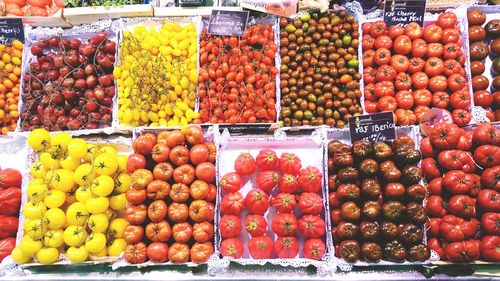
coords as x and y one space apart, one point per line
309 148
83 32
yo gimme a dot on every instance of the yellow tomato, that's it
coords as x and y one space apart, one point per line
74 235
34 210
39 139
37 191
117 227
54 218
105 164
54 198
95 243
76 214
30 247
18 256
83 175
77 254
98 223
37 169
77 148
102 253
118 202
47 255
102 185
117 247
97 205
91 152
61 141
53 238
83 193
107 149
63 181
48 161
34 229
70 163
122 183
122 162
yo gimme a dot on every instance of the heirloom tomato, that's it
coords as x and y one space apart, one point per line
231 182
289 163
201 252
489 200
462 206
157 252
200 210
453 228
158 232
182 232
489 248
490 223
178 253
260 247
310 203
231 248
286 247
203 231
436 206
232 203
178 212
312 226
267 180
314 249
256 225
284 202
266 160
136 253
284 224
257 201
463 251
245 164
205 172
445 136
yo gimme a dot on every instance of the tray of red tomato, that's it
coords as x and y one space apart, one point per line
272 206
376 199
409 70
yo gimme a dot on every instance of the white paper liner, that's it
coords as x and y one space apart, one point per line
309 148
343 135
84 31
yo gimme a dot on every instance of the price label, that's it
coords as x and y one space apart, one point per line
230 23
10 30
402 12
373 127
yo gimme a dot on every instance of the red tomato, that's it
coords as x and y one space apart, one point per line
378 28
290 163
420 110
450 35
486 134
395 31
461 117
231 248
487 155
369 75
194 135
384 88
457 182
489 200
6 246
257 201
400 63
432 33
490 223
179 253
256 225
465 141
144 144
462 206
245 164
387 103
426 147
286 247
184 174
434 245
287 183
260 247
310 203
367 42
312 226
205 172
433 227
419 48
201 252
435 206
489 248
10 178
267 180
447 20
136 253
413 30
314 249
489 178
483 98
231 182
230 226
198 154
157 210
453 228
430 168
136 196
452 51
310 179
133 234
232 203
382 56
136 161
182 232
422 97
368 56
445 136
405 117
404 99
267 160
440 100
203 231
284 202
452 67
402 45
416 65
456 82
284 224
370 106
385 73
157 252
383 41
435 50
433 67
420 80
452 159
462 252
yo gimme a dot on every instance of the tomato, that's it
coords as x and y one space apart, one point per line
212 193
260 247
232 203
440 99
490 223
314 249
163 171
457 182
426 147
136 214
430 168
447 20
310 203
231 248
420 80
7 245
403 81
486 134
290 163
182 232
266 160
462 206
284 202
310 179
452 159
205 172
419 48
382 56
267 180
383 41
452 67
136 196
369 75
462 252
404 98
184 174
445 136
450 35
286 247
395 31
487 155
198 154
386 72
157 210
416 65
133 234
435 50
491 178
476 17
284 224
199 189
422 97
199 211
245 164
384 88
432 33
230 226
231 182
201 252
212 152
257 201
370 106
179 253
135 161
287 183
367 42
10 178
489 248
368 58
434 67
157 252
402 45
157 189
378 28
453 228
158 232
489 200
483 98
434 245
136 253
179 193
144 144
414 31
312 226
436 206
203 231
433 227
255 225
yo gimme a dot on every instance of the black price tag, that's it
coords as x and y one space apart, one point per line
231 23
373 127
403 12
10 30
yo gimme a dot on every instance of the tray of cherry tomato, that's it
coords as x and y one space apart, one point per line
413 69
376 199
484 37
67 82
272 206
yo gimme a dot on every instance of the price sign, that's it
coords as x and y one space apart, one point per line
10 30
402 12
372 127
231 23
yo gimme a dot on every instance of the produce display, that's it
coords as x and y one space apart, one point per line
376 198
410 70
157 75
68 84
76 197
319 69
97 3
238 77
464 198
484 50
30 8
171 210
271 206
10 73
10 201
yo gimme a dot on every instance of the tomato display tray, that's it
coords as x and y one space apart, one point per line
123 147
83 32
309 148
344 136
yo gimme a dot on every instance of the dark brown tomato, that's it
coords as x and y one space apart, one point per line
350 250
388 230
393 210
347 230
368 168
395 251
394 190
370 231
412 174
348 174
371 252
371 210
382 150
362 149
419 253
370 188
416 213
410 234
416 192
